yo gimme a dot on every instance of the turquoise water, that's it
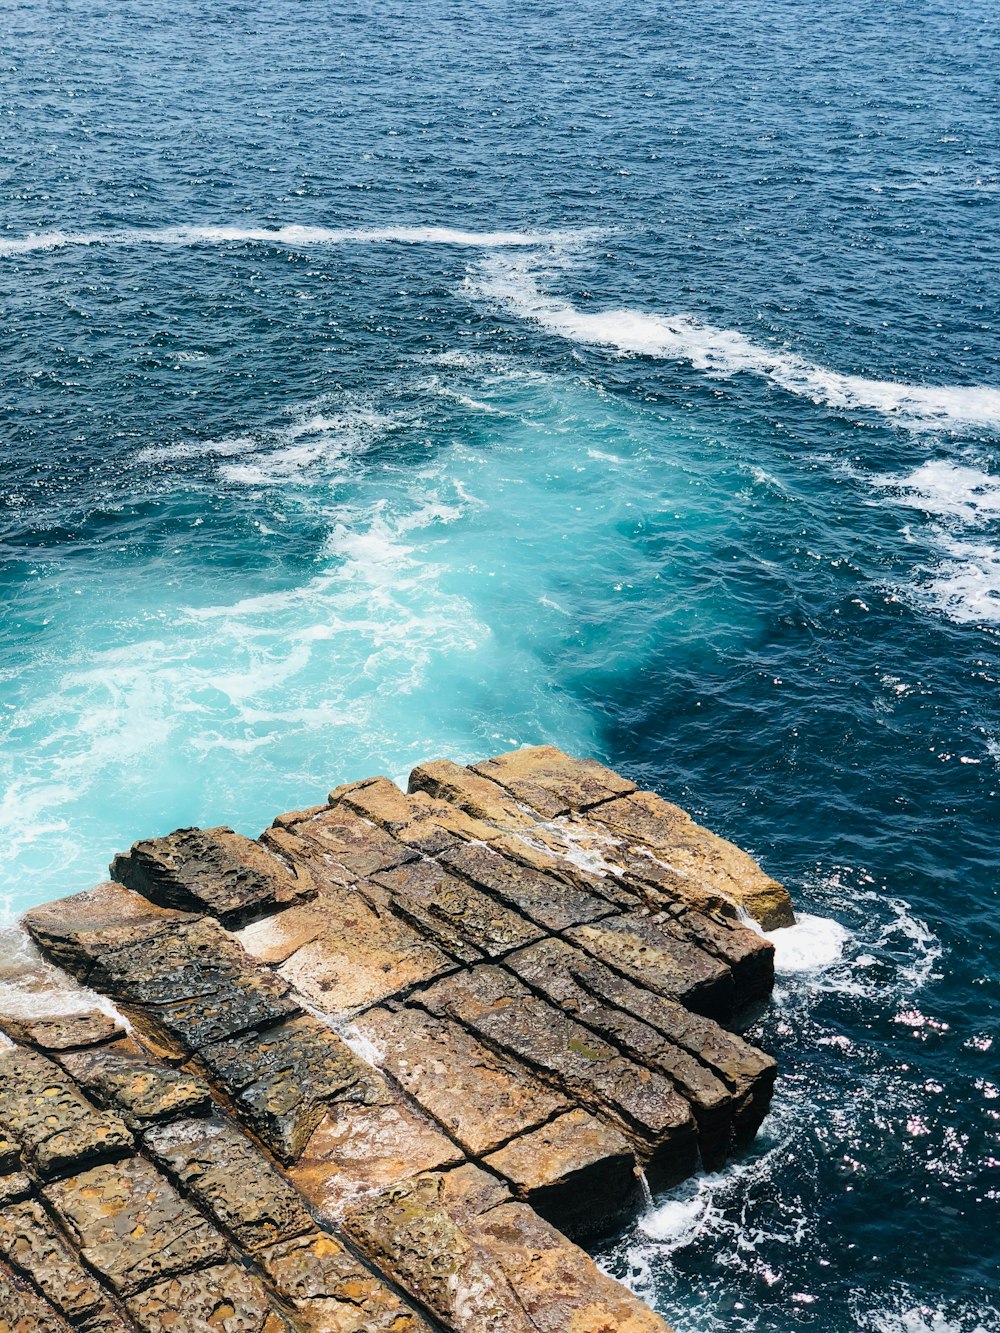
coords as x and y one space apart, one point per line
382 382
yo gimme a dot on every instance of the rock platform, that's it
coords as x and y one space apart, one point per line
381 1068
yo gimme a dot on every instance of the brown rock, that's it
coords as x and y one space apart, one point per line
559 973
222 1299
558 1287
482 1099
30 1244
10 1151
745 952
553 783
651 955
548 901
217 1166
462 920
337 845
697 854
498 1007
21 1311
211 870
131 1226
361 1149
477 796
358 956
331 1292
14 1187
141 1091
748 1072
578 1172
282 1080
65 1032
75 931
57 1128
410 1233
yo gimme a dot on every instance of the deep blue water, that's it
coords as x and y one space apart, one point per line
387 381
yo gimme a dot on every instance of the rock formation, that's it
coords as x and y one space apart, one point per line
373 1070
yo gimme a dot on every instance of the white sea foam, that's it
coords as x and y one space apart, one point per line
291 235
963 500
514 285
813 943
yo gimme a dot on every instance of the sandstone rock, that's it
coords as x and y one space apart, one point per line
476 795
75 931
697 854
364 1149
337 845
14 1187
143 1092
131 1226
551 903
748 1072
21 1311
57 1128
221 1299
482 1099
331 1292
283 1079
348 954
553 783
10 1153
215 1164
656 959
463 921
65 1032
645 1105
214 871
31 1245
577 1171
409 1233
551 967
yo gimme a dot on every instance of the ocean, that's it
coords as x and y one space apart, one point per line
383 382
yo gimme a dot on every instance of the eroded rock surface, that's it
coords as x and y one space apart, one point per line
361 1069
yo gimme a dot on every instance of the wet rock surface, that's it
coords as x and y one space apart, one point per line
354 1075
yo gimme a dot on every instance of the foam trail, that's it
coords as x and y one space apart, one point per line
726 352
291 236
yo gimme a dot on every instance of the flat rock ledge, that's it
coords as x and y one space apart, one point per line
373 1070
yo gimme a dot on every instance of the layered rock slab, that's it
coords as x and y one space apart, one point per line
386 1041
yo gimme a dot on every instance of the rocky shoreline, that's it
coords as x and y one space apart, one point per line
381 1068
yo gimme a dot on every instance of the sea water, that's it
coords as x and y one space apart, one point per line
382 382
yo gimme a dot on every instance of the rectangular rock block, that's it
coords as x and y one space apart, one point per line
576 1171
748 1072
283 1080
360 1150
215 1164
481 1099
67 1032
465 922
21 1311
478 796
32 1246
336 845
745 952
215 871
698 855
331 1292
482 1263
499 1008
223 1299
553 783
55 1125
131 1226
558 971
651 955
550 902
141 1091
343 953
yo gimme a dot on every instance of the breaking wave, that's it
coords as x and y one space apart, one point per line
513 284
292 235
